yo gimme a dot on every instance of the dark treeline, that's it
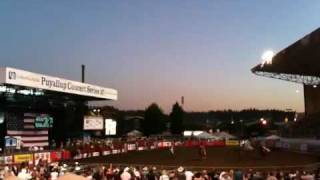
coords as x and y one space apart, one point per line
244 115
152 120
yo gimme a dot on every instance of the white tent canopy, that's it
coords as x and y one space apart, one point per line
134 133
272 137
205 135
223 135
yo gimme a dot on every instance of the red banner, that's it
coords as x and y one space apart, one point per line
55 156
66 155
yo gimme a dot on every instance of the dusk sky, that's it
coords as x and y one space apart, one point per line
158 51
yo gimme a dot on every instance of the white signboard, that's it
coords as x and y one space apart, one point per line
40 81
13 142
110 127
93 123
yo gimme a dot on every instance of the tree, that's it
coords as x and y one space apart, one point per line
176 118
153 122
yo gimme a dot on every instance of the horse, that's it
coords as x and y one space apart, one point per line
253 146
246 145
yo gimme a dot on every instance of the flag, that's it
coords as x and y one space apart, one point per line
24 127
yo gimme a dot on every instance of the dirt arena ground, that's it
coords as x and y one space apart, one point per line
217 157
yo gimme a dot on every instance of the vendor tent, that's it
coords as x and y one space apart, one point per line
272 137
205 135
134 133
224 135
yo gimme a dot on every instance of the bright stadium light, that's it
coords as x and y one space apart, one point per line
3 88
267 57
264 122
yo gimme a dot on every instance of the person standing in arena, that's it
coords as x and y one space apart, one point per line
172 149
202 151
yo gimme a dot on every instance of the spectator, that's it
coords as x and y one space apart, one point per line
24 174
238 175
224 176
189 175
164 175
151 175
198 176
180 173
271 176
125 174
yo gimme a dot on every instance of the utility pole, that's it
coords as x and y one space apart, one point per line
83 68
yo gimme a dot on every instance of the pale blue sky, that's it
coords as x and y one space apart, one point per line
157 51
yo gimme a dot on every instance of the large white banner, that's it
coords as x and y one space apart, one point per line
93 123
24 78
110 127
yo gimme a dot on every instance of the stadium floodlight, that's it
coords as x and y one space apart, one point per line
25 92
286 120
267 57
264 122
11 90
3 88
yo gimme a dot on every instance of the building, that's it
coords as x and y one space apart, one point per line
298 63
28 100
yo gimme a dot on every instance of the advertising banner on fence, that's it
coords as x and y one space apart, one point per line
95 154
215 143
164 144
45 156
19 158
105 153
55 155
8 159
232 143
66 155
131 147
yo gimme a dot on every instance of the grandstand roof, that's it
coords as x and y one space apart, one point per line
300 62
16 81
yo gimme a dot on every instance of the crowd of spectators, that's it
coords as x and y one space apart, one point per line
100 172
56 170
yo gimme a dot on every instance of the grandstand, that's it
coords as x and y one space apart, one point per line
26 97
298 63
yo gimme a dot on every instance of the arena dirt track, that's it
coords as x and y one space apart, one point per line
216 157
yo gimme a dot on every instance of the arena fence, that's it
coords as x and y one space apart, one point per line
116 148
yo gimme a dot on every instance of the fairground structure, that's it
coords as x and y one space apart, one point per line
300 63
27 98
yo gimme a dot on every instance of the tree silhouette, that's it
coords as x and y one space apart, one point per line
176 119
153 122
